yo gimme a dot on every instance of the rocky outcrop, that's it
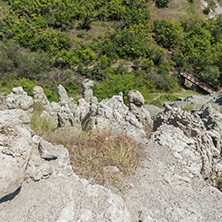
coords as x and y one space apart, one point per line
40 97
212 119
193 127
87 84
15 150
2 103
169 185
37 182
18 99
179 162
136 102
65 117
113 113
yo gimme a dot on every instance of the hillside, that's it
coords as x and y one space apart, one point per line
119 44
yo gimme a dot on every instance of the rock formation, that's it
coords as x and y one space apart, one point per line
136 102
193 127
113 113
18 99
175 180
87 84
38 184
40 97
169 184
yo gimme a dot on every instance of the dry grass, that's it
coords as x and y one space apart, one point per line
41 125
176 10
91 153
191 107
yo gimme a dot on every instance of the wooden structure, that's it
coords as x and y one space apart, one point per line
197 82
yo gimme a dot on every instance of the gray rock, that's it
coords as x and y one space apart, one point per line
15 149
40 97
212 120
65 117
47 150
136 102
87 84
82 110
62 94
64 99
136 98
193 127
153 110
169 184
2 103
114 114
18 99
49 190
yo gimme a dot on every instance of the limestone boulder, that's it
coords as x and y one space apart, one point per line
18 99
37 182
40 97
192 126
136 102
15 149
114 114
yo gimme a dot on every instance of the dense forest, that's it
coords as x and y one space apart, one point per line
114 42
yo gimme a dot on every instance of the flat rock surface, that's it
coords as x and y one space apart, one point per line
169 186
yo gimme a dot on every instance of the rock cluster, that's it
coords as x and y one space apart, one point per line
193 127
18 99
88 112
113 113
37 182
180 161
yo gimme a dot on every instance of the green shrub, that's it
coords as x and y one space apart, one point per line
206 10
162 3
27 85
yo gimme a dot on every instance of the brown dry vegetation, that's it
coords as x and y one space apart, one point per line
92 152
176 10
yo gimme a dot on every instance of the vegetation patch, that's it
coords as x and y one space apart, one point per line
94 154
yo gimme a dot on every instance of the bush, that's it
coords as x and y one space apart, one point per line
206 10
162 3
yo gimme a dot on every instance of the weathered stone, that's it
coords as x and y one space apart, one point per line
87 84
65 117
82 110
192 126
135 97
47 150
113 113
2 103
15 148
169 181
40 97
18 99
136 102
52 191
62 94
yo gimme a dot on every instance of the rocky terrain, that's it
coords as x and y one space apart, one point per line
176 180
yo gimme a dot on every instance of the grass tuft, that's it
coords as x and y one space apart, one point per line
39 124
